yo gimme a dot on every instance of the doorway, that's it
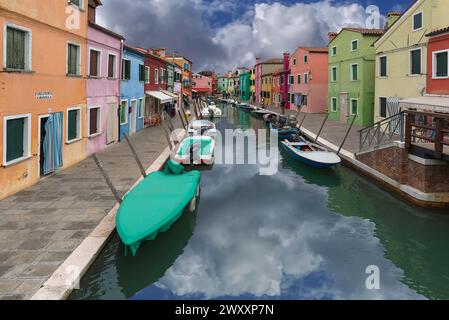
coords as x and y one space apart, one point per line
112 124
42 133
133 117
344 107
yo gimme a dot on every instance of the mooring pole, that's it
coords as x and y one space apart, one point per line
108 180
347 134
182 120
136 157
322 126
167 136
302 122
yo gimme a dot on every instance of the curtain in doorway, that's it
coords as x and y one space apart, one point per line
53 143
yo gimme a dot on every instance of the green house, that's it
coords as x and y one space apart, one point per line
222 84
245 84
352 75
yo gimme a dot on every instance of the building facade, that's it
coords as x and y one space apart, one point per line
43 101
309 79
252 83
170 77
267 89
261 69
438 62
351 75
201 86
244 84
222 84
132 93
401 56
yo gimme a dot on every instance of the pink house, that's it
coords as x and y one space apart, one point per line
309 79
201 85
104 54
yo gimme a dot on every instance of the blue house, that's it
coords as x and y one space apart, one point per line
132 97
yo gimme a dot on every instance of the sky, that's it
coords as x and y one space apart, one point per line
221 35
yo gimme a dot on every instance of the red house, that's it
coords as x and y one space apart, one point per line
438 62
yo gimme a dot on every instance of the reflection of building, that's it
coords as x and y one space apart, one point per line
201 85
309 79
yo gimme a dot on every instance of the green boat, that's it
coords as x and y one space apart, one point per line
155 204
196 150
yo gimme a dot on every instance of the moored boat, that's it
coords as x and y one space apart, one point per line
202 127
195 150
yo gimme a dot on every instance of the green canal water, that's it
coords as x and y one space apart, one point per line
302 233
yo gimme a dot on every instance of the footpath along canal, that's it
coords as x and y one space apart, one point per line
302 233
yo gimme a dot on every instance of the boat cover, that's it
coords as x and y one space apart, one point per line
155 204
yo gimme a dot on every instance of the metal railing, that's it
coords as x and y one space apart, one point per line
383 132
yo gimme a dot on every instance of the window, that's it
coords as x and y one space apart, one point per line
112 66
124 112
354 45
294 62
141 73
440 64
306 78
334 104
354 106
334 51
383 66
415 62
73 124
299 79
292 80
147 74
73 59
156 76
281 81
94 63
304 100
417 21
126 69
306 58
354 72
18 48
140 108
383 107
78 3
16 138
334 74
94 116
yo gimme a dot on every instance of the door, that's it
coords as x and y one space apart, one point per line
42 123
343 107
133 117
112 124
51 136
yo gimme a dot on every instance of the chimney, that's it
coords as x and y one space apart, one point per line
286 61
391 18
332 35
258 61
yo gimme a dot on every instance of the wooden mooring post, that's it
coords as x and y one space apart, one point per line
302 122
347 134
322 126
114 191
136 157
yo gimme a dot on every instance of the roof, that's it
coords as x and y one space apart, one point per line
266 74
315 49
438 32
107 31
363 31
176 55
394 13
134 49
273 61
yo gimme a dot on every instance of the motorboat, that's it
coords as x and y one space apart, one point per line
211 111
195 151
202 127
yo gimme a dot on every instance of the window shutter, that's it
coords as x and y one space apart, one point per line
416 62
442 64
15 49
93 63
72 125
93 121
14 144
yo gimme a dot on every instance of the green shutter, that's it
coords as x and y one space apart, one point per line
416 62
14 137
72 125
442 64
15 56
355 75
72 62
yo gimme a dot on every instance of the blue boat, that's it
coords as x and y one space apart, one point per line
284 133
311 154
245 107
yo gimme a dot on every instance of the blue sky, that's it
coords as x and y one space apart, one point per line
223 34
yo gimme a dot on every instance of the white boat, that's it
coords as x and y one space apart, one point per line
311 154
211 111
202 127
195 150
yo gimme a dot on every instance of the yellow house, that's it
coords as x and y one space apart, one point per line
401 55
252 87
267 88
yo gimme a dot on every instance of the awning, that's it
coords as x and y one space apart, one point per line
427 103
170 94
162 97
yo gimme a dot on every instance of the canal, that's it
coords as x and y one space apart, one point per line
302 233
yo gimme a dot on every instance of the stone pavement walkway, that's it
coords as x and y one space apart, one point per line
42 225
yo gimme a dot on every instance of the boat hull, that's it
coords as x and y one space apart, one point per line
310 162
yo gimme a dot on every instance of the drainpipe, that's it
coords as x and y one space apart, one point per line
119 75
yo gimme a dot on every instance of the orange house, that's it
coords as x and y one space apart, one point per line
42 89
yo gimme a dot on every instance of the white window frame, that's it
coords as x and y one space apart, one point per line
350 107
306 57
28 46
100 61
115 66
123 69
410 62
147 72
81 6
332 104
26 135
142 106
332 51
126 113
352 42
351 76
434 65
79 136
306 78
422 21
332 74
156 76
78 67
99 129
380 67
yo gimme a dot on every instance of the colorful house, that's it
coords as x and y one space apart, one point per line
170 77
232 84
267 88
201 86
352 74
177 88
214 79
278 82
309 79
104 53
43 90
252 88
222 84
244 84
186 66
401 55
263 68
438 62
132 96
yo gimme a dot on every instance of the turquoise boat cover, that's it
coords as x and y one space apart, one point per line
155 204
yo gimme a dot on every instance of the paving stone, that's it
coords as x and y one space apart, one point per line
54 256
37 270
5 270
28 286
62 245
34 244
12 297
22 257
8 285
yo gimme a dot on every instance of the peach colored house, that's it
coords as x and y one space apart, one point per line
42 91
309 79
